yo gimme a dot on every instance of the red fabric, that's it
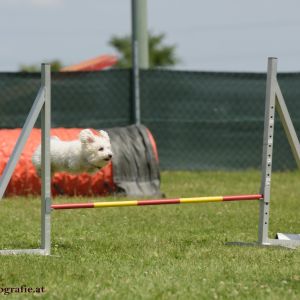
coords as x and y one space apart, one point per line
25 181
95 64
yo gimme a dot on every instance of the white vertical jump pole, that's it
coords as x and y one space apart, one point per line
46 171
41 104
267 152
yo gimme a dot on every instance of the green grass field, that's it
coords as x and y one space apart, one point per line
158 252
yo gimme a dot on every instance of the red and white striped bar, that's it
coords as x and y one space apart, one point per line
157 201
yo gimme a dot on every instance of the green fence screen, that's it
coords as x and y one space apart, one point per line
200 120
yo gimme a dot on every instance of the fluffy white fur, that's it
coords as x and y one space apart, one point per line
89 153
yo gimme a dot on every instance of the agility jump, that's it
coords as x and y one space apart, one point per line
192 200
274 99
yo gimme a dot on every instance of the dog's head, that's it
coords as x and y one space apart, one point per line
96 147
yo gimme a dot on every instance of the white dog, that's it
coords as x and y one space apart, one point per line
89 153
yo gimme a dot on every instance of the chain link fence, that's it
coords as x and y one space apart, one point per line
200 120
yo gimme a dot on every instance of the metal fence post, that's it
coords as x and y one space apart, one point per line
135 65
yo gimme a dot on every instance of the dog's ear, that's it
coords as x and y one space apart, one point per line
104 134
86 136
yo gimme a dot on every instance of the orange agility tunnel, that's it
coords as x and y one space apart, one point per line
111 179
157 202
25 180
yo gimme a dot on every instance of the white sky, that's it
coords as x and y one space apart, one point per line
224 35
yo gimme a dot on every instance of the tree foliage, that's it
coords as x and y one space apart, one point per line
160 55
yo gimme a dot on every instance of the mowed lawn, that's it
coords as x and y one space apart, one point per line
158 252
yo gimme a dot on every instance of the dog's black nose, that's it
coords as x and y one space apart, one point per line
109 156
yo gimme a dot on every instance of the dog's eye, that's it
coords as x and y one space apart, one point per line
101 149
